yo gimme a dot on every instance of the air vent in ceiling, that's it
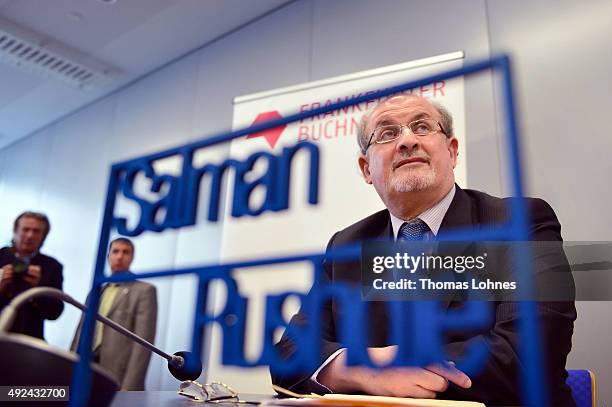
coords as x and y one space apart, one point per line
31 51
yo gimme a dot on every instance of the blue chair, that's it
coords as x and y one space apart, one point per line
582 383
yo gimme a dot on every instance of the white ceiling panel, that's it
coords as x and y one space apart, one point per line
100 23
20 83
133 37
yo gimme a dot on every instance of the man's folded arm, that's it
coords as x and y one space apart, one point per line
501 375
302 382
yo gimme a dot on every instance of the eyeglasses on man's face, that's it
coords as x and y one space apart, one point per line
391 132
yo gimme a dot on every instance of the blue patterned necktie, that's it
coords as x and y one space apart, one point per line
413 230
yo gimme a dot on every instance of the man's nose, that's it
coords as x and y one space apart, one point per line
407 140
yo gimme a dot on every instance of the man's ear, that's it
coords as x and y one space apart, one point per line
453 150
364 166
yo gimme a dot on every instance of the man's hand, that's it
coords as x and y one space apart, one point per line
7 279
393 381
32 277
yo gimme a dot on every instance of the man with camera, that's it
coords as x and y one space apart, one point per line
24 267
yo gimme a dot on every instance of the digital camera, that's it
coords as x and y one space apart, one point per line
20 266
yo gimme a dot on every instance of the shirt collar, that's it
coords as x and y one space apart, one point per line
432 217
26 258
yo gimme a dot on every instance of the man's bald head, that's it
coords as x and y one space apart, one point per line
398 102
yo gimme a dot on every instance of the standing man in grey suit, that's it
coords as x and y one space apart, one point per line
133 305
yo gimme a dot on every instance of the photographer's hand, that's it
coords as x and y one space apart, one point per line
32 277
7 279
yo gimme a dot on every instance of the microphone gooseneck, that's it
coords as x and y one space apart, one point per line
182 365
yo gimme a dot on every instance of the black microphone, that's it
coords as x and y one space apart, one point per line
182 365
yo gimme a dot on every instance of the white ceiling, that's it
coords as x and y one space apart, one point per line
133 36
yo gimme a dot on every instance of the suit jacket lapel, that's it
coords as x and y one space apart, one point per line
379 228
387 231
460 214
124 289
459 217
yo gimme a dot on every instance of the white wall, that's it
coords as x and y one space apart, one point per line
561 57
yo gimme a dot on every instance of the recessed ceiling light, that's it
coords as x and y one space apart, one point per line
32 51
107 1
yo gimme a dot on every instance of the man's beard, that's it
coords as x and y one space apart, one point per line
413 179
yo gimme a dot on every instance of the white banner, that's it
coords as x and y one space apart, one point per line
344 197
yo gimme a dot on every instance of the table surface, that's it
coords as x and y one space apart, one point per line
171 399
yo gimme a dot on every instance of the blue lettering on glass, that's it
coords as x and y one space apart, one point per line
177 208
180 202
431 321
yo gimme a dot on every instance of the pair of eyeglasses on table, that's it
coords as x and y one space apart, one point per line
220 393
215 392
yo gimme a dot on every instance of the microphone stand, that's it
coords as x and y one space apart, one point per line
182 365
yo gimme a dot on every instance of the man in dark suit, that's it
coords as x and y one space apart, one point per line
24 267
408 153
132 305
